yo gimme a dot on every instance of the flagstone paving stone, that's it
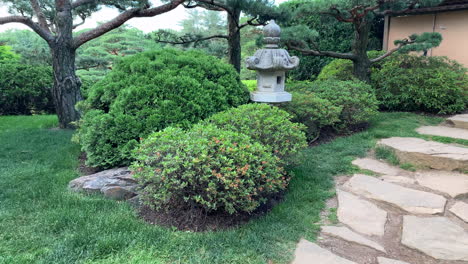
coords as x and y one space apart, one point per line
460 209
378 166
350 236
437 237
410 200
308 253
383 260
444 131
430 154
460 121
360 215
452 183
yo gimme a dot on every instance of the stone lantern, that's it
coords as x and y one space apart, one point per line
271 64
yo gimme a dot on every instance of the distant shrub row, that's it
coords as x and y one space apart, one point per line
412 83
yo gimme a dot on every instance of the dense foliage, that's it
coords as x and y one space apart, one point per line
343 69
341 104
314 112
148 92
418 83
356 98
25 89
208 168
331 34
266 124
7 55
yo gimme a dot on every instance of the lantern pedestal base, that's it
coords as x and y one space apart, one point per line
270 97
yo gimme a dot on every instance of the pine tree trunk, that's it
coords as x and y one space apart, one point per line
362 62
66 90
234 45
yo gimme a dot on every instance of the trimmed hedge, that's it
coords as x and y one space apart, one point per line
25 89
416 83
266 124
149 92
207 168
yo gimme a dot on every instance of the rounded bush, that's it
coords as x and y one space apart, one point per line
206 167
25 89
266 124
148 92
312 111
343 69
418 83
356 99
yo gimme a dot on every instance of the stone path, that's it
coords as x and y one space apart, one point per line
399 216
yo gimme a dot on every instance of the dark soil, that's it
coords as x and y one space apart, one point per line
198 220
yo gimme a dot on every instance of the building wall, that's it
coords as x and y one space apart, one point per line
452 25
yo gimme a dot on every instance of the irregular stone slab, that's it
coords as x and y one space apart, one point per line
398 179
308 253
350 236
383 260
451 183
410 200
428 153
116 184
460 209
378 166
361 215
443 131
460 121
437 237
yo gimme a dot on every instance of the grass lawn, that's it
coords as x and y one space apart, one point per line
42 222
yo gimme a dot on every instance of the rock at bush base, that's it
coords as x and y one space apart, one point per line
117 184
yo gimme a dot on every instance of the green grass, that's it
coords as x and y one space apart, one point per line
42 222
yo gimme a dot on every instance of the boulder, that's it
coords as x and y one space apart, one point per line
117 184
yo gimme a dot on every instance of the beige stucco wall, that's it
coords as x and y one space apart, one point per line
452 25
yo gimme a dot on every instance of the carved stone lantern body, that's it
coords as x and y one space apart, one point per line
271 64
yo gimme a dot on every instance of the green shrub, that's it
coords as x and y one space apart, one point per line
207 168
314 112
356 99
417 83
25 89
149 92
266 124
251 84
342 69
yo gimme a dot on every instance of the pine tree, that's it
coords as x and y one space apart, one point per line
53 20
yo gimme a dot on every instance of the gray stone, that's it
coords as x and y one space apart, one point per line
361 215
383 260
378 167
350 236
437 237
460 209
114 183
443 131
452 183
118 193
460 121
310 253
428 153
410 200
398 179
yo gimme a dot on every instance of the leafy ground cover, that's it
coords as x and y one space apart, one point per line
42 222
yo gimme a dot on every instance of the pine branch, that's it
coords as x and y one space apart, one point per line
45 34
